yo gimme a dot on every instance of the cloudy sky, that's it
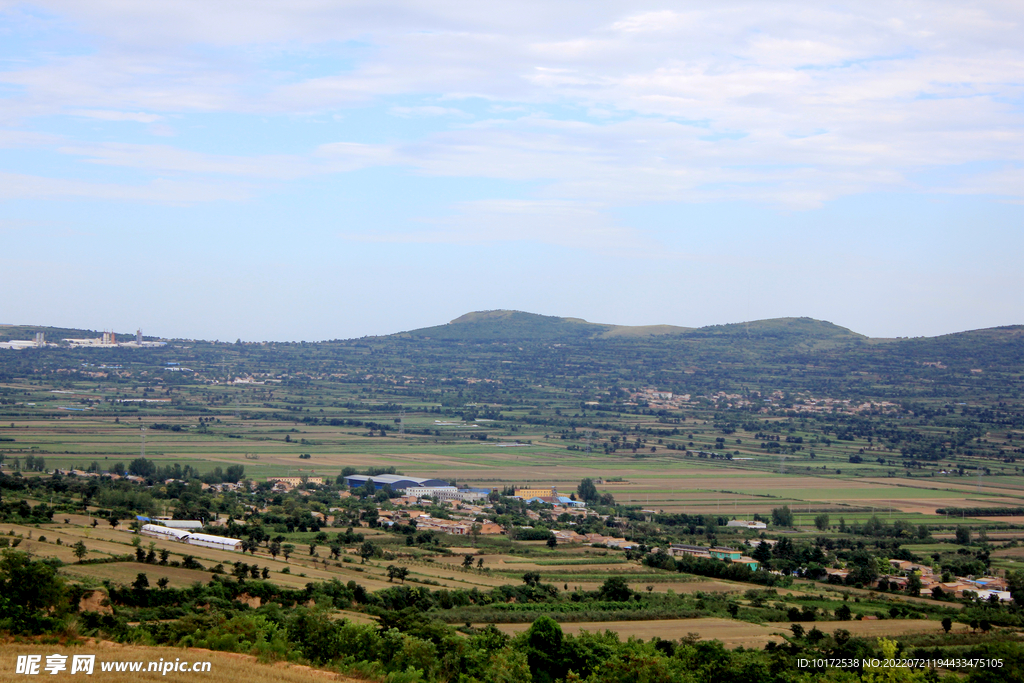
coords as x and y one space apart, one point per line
318 169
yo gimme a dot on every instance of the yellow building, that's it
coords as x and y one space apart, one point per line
295 481
536 493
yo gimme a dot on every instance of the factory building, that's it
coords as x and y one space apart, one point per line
745 524
397 482
526 493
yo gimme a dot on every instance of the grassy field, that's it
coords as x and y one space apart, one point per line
224 666
661 481
737 634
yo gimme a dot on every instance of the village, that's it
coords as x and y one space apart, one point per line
435 505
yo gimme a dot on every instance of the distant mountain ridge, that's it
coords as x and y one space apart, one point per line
53 334
509 325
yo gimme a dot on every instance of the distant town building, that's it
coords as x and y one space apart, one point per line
744 524
296 481
526 494
397 482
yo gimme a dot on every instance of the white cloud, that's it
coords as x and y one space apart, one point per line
784 102
164 158
414 112
19 138
575 225
161 191
108 115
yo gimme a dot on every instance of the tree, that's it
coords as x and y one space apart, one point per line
162 582
30 591
274 548
392 572
615 589
963 535
544 649
367 550
552 541
587 491
821 522
141 467
844 613
80 551
947 624
1015 584
141 582
798 630
531 578
762 553
782 516
467 561
287 549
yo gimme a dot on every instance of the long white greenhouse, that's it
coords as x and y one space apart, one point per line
157 531
219 542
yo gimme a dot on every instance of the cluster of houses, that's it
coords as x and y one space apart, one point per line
462 521
713 553
549 496
569 536
983 588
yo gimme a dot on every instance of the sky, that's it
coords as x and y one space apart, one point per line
326 169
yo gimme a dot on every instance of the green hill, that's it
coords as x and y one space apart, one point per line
503 325
517 326
489 326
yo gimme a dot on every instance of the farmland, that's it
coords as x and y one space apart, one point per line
868 450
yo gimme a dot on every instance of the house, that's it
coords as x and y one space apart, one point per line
744 524
490 529
1002 596
678 549
725 554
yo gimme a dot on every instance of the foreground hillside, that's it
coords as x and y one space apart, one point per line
226 667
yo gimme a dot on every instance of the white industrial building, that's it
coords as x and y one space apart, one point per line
180 523
744 524
444 493
157 531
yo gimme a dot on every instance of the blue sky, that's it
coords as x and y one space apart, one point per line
317 169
